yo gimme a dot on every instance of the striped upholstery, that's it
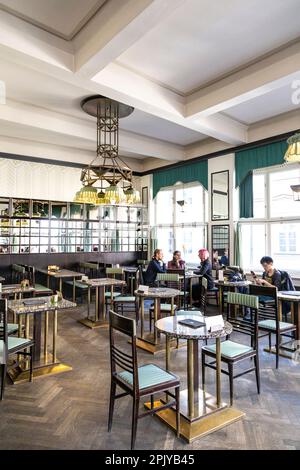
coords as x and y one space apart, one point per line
242 299
19 269
40 288
271 325
229 349
88 266
167 277
114 271
149 376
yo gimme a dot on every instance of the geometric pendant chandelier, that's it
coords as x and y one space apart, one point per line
107 179
292 154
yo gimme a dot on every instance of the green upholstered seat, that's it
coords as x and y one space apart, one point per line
14 342
11 328
171 277
189 312
165 307
149 376
229 349
40 288
125 298
271 325
78 284
115 294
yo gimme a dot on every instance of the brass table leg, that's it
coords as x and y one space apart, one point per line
190 377
46 334
172 306
167 353
20 317
97 304
191 293
27 333
142 317
74 290
54 334
89 302
218 371
280 310
292 312
220 293
60 285
48 282
156 314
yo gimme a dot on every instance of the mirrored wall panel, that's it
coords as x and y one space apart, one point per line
220 195
220 245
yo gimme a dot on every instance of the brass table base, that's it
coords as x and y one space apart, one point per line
147 344
21 375
207 419
93 323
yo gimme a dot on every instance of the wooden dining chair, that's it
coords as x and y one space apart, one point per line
171 281
233 352
136 381
269 322
11 345
128 303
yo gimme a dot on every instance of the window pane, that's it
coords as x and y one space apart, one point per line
189 204
259 196
165 240
189 240
252 245
164 207
285 246
282 202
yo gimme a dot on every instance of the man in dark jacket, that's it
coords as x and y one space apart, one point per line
155 266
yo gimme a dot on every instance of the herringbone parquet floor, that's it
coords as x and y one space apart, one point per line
69 411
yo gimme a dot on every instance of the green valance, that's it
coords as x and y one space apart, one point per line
259 157
188 173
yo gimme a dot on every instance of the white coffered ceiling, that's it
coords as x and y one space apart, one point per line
196 71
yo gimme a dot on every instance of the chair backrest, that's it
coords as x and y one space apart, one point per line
140 276
30 274
268 302
3 331
121 359
18 272
141 262
171 280
88 268
238 321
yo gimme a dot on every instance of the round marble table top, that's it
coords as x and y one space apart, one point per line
160 292
171 327
288 296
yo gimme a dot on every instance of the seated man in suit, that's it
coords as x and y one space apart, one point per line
155 266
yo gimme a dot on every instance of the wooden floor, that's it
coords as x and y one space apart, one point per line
69 411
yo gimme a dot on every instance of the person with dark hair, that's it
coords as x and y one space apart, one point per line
271 277
224 261
155 266
205 270
176 262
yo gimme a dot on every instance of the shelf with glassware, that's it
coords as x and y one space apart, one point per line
36 226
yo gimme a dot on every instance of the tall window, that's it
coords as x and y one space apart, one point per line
181 220
275 227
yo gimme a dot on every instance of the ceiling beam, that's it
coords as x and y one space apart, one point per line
47 126
265 75
116 27
127 86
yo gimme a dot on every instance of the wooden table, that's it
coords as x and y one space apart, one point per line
62 274
17 291
151 342
44 363
99 320
231 286
201 413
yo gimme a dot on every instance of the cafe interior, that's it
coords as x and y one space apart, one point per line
149 225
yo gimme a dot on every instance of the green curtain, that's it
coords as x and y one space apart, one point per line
246 196
259 157
237 245
188 173
251 159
